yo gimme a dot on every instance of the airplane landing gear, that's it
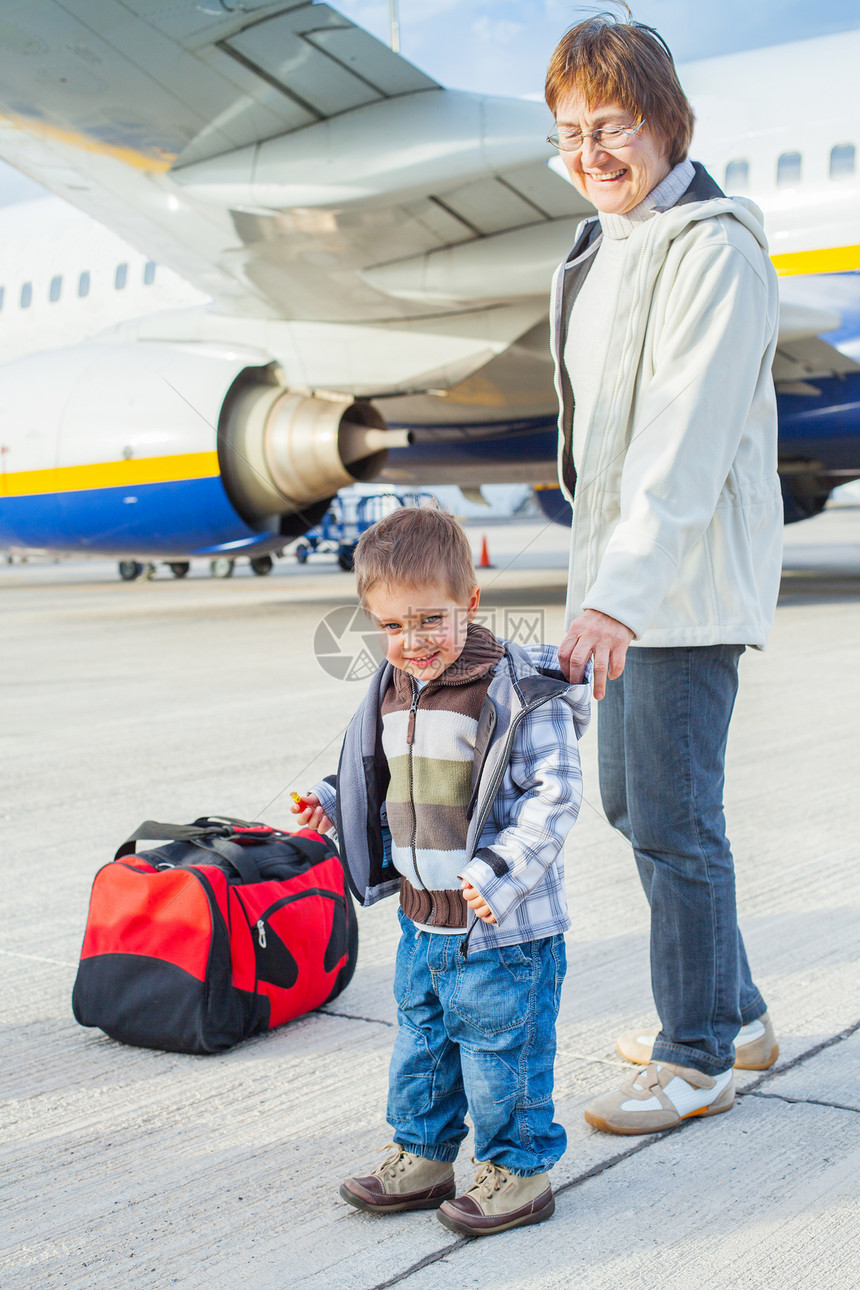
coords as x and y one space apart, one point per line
179 568
129 570
222 567
262 564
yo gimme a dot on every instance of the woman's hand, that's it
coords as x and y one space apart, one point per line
312 815
476 903
595 635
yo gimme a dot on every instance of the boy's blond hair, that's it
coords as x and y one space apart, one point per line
415 546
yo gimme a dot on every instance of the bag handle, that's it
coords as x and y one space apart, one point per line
152 831
236 855
212 837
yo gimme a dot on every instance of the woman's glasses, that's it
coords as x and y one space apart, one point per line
566 139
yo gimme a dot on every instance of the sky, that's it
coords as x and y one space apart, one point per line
502 46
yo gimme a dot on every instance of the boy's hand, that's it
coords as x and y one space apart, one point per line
311 815
476 903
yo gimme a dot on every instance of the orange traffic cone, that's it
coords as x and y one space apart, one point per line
485 562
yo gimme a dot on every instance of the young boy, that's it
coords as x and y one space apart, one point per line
458 783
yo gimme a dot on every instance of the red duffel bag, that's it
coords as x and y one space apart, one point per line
230 929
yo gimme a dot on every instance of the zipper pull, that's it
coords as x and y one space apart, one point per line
261 933
464 944
410 727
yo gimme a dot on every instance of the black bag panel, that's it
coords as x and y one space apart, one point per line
153 1004
347 972
275 963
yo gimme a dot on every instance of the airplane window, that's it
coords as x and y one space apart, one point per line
55 289
120 276
149 273
737 176
842 160
84 284
788 169
26 295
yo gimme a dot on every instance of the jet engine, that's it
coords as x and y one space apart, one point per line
161 450
281 450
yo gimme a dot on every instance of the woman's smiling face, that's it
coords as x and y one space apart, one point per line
614 181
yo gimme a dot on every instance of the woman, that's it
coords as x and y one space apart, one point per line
664 328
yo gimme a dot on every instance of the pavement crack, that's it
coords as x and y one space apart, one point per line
808 1101
423 1263
801 1057
352 1016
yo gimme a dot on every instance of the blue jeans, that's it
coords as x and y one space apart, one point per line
477 1035
662 729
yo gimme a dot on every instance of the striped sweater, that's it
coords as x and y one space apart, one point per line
428 736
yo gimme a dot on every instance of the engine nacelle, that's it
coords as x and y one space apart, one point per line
281 450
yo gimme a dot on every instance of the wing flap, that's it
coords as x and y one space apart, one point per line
282 51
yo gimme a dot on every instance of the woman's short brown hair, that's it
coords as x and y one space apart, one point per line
607 60
415 546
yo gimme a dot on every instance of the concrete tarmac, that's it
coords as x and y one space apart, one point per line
139 1169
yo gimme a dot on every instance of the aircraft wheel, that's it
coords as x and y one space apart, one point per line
302 552
129 570
262 564
179 568
221 568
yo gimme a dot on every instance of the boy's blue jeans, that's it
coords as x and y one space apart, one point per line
662 730
476 1034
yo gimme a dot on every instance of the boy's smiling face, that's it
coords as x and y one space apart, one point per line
424 627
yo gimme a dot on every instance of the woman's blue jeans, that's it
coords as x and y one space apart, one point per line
476 1034
662 731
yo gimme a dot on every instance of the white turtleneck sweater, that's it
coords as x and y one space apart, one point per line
591 320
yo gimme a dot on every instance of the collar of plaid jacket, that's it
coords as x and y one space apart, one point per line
480 655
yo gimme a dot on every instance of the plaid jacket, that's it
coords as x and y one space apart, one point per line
527 788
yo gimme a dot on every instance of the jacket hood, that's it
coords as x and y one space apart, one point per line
675 218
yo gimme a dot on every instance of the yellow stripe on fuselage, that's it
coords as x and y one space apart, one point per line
109 474
834 259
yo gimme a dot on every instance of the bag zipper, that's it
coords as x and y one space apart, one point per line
260 924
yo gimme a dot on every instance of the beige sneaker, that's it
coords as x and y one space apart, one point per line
659 1097
498 1200
402 1181
756 1046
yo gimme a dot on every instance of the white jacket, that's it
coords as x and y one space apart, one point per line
677 513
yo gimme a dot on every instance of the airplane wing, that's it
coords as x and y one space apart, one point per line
802 355
280 158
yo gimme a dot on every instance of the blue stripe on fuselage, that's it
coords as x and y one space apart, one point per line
182 517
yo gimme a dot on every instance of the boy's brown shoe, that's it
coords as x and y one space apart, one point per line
756 1047
402 1181
498 1200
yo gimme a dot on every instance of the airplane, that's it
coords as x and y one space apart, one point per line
323 267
